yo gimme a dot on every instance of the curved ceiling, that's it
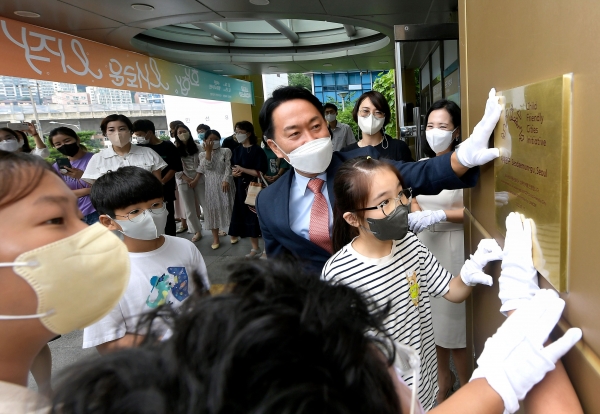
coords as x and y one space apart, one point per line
237 37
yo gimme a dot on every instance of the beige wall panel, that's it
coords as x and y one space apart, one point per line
512 43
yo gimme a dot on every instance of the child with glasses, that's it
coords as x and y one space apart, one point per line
130 200
376 255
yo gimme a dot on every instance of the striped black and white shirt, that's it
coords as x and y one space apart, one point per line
406 278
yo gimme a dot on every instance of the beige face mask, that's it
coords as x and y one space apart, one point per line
77 280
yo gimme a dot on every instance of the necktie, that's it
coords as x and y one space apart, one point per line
318 230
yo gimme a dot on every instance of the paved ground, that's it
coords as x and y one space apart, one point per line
67 350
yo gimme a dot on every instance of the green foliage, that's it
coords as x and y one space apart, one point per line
418 85
164 137
300 79
385 84
345 115
92 145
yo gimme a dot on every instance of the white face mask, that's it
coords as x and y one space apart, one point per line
119 138
149 228
439 139
216 144
77 280
141 140
330 117
184 136
10 145
370 125
313 157
241 138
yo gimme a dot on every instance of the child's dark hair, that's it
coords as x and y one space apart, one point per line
124 187
212 132
188 147
351 187
277 341
143 125
20 174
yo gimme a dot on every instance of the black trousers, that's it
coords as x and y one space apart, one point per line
171 227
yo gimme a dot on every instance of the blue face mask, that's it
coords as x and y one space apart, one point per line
201 135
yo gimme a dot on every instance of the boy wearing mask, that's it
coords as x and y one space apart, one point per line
130 200
145 134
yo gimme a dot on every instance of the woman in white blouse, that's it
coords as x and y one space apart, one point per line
118 128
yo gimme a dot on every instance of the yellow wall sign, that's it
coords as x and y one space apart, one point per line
34 52
532 175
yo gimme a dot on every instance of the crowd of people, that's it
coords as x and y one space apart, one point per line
357 307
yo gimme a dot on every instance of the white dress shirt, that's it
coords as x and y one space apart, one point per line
301 201
108 160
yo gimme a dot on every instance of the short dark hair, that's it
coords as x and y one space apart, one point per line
330 105
185 148
248 127
115 117
454 111
143 125
277 341
378 101
212 132
281 95
20 174
123 188
203 127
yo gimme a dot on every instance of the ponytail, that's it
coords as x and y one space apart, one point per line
351 188
343 233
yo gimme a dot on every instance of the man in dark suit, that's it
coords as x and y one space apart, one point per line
296 130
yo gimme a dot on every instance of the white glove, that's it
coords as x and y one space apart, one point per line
474 151
472 271
420 220
501 198
514 358
518 278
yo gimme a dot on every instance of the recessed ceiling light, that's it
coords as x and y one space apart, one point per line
383 62
327 64
259 2
24 13
272 67
142 7
217 70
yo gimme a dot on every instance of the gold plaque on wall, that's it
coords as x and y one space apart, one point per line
532 174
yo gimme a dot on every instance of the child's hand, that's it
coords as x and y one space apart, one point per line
472 271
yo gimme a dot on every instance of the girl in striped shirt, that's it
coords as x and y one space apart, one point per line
376 255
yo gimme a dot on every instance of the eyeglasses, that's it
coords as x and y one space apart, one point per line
137 215
389 206
365 113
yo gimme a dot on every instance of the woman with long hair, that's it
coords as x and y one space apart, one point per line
190 183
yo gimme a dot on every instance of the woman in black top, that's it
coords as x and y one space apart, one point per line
247 160
372 113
